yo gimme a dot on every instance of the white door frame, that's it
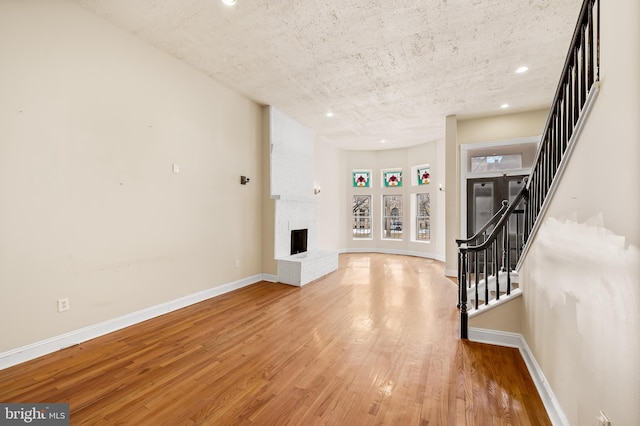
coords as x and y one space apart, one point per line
465 151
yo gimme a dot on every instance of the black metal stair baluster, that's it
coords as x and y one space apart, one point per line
459 277
569 109
518 236
540 193
597 36
545 166
475 273
469 272
508 262
575 86
486 277
583 59
497 270
505 236
526 220
592 50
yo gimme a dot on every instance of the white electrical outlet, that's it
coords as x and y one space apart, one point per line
63 304
236 264
603 420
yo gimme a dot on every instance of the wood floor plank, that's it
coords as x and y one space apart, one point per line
373 343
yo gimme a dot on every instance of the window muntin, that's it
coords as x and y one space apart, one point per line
423 217
361 227
392 226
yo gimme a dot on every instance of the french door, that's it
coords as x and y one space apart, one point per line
484 199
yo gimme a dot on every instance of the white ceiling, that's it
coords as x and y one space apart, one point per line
388 70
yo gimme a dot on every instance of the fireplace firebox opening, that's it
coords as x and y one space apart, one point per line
298 241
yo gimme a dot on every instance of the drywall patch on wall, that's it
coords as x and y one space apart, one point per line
570 250
583 286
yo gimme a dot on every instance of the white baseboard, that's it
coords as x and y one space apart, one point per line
390 251
516 340
270 277
53 344
451 272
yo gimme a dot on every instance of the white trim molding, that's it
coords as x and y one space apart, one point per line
53 344
466 149
400 252
272 278
494 303
451 273
516 340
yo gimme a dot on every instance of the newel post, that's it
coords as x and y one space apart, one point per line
464 315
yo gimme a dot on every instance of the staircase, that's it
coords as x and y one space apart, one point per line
489 290
488 261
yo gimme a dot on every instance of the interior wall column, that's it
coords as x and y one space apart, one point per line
452 202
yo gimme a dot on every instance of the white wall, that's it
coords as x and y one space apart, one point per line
581 278
327 161
91 121
269 263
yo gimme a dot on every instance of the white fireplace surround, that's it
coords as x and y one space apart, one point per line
292 214
291 176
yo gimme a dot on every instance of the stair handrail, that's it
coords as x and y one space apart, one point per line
494 219
578 82
486 226
583 17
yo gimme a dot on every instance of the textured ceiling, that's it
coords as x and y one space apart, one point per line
387 70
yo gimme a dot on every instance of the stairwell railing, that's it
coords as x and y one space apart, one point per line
491 251
580 76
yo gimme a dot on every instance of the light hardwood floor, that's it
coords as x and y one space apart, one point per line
376 342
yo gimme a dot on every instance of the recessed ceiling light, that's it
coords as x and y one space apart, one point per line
522 69
503 106
229 2
383 141
329 114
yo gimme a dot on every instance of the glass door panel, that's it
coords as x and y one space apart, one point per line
483 204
